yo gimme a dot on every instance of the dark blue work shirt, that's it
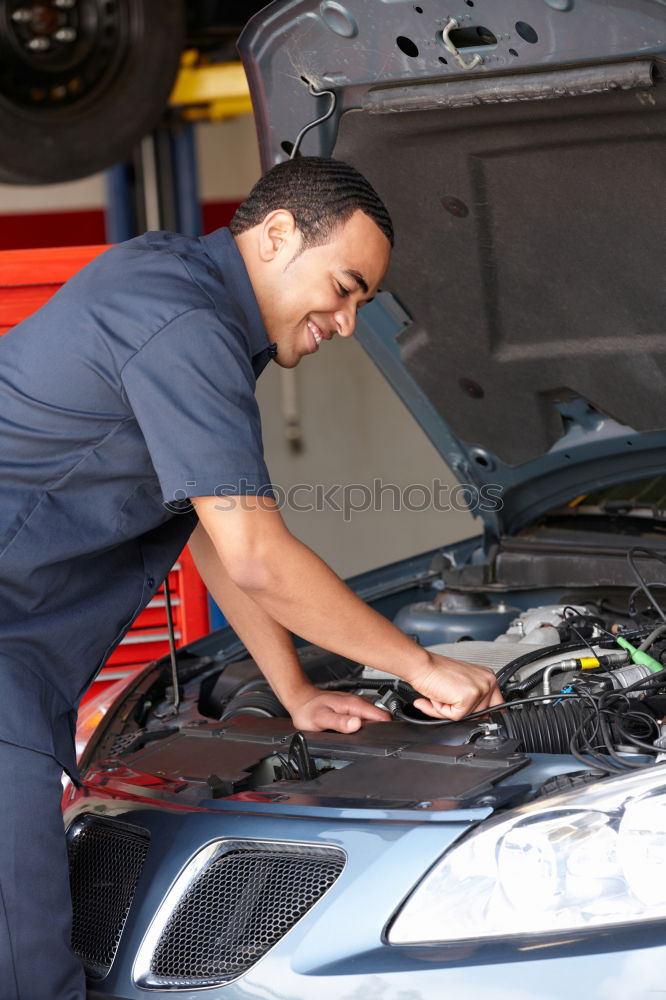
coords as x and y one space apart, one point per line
129 391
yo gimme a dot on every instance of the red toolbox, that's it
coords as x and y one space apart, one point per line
27 279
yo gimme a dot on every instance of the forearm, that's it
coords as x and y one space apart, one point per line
336 618
333 616
297 589
269 643
271 646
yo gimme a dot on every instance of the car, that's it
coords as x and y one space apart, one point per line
217 852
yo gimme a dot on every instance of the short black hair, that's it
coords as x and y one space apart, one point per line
321 193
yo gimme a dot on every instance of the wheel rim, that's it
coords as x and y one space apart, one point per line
58 54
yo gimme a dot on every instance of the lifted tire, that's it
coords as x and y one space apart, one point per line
81 81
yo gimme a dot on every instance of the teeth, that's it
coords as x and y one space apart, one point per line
314 330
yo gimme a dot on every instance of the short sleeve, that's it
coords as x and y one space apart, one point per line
191 390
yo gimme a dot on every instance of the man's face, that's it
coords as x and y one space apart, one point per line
306 298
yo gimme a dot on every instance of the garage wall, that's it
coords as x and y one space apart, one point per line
228 159
359 437
355 433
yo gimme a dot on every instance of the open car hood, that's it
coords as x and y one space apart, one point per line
522 318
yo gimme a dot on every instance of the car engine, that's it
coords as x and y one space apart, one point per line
584 698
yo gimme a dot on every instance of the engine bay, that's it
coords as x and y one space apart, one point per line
584 698
381 766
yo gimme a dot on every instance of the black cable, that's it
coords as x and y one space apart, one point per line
608 609
630 713
630 738
583 640
610 749
172 647
649 641
654 680
603 765
634 613
640 713
585 743
540 653
596 621
370 684
591 739
651 554
616 707
481 712
524 687
588 732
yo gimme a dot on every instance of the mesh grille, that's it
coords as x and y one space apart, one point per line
244 901
105 861
121 742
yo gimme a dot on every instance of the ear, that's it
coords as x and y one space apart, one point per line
277 231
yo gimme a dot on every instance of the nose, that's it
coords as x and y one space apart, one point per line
345 320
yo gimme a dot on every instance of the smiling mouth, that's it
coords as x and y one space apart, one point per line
317 334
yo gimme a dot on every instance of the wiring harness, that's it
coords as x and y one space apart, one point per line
606 715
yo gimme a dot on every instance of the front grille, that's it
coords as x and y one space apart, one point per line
105 860
242 902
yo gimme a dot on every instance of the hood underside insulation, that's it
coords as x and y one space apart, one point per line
529 254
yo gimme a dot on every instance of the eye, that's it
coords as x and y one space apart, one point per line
344 292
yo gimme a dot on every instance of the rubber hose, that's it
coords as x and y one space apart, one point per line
258 702
524 687
542 728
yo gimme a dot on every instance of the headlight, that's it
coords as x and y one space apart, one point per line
574 862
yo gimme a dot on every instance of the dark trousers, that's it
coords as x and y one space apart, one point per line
36 961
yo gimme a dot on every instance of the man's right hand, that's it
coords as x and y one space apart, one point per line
453 689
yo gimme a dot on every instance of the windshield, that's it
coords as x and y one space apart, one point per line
643 499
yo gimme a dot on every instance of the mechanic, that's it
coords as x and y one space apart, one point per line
129 424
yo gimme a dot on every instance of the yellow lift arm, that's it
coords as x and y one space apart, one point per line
210 91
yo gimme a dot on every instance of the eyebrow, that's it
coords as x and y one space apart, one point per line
358 278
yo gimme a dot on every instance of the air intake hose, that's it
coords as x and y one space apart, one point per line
542 728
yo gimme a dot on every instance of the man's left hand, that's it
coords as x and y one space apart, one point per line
317 710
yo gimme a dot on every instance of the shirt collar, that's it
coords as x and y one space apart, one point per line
221 248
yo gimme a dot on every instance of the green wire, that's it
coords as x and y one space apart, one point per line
639 656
